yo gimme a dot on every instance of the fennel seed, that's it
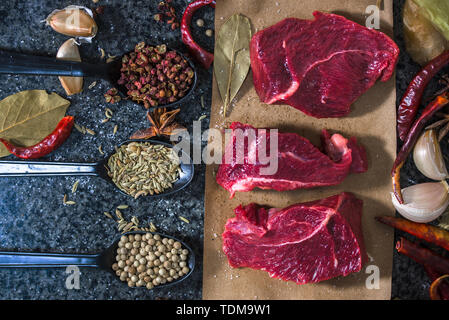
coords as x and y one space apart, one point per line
107 214
80 129
93 84
75 186
91 132
139 169
184 219
118 214
108 113
202 103
135 220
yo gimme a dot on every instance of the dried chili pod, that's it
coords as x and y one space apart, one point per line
51 142
440 102
74 21
427 232
201 55
423 255
434 265
411 100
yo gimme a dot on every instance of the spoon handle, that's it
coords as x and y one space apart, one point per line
46 169
19 63
45 260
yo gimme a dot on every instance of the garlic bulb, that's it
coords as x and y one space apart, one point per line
428 158
423 202
74 21
69 51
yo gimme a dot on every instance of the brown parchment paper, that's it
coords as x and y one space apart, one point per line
372 121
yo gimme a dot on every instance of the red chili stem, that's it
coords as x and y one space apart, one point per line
423 256
411 100
412 137
201 55
427 232
47 145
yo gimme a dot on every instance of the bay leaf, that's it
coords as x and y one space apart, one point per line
29 116
231 57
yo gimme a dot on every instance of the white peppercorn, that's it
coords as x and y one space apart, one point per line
200 23
147 260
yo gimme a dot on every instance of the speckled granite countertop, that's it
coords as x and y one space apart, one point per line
32 216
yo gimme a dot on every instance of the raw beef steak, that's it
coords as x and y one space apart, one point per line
268 61
299 163
305 243
320 66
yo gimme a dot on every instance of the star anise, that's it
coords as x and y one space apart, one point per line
163 124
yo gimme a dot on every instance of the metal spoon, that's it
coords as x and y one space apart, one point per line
103 260
19 63
20 168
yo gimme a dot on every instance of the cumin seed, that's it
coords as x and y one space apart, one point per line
184 219
91 132
75 186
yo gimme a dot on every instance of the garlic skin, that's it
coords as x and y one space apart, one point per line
423 202
74 21
69 51
428 157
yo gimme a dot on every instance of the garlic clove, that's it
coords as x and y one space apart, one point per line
428 157
423 202
69 51
73 21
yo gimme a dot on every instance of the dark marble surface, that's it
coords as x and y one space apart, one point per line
32 215
409 278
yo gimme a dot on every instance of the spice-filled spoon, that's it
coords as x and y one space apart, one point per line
170 260
150 79
146 168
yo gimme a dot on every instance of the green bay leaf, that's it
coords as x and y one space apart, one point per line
437 11
29 116
231 57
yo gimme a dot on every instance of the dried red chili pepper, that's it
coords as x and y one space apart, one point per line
412 136
201 55
434 264
423 255
427 232
412 98
47 145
